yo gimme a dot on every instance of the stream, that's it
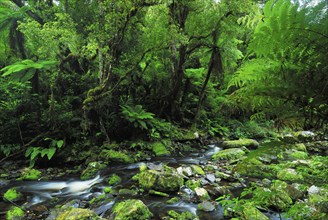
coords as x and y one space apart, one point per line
44 195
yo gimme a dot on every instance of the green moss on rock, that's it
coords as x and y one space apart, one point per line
15 213
181 216
197 170
30 174
229 154
192 184
172 200
114 179
77 213
12 195
248 143
157 193
116 156
130 210
289 175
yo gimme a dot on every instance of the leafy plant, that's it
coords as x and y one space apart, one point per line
137 116
34 152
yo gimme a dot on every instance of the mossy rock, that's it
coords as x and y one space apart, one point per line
292 155
172 200
248 143
12 195
131 209
197 170
15 213
77 213
115 156
157 193
320 200
30 174
250 212
229 154
128 192
298 147
280 200
181 216
114 180
202 194
92 169
305 136
289 175
162 181
160 149
192 184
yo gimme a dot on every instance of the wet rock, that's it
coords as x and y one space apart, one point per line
305 136
128 192
155 166
229 154
219 191
166 181
206 206
288 139
92 169
202 194
185 171
223 175
197 170
313 190
77 213
210 177
131 209
289 175
204 181
251 212
248 143
181 216
294 191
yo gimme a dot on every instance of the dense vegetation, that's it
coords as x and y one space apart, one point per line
85 73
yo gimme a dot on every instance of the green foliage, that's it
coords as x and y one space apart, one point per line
137 115
34 152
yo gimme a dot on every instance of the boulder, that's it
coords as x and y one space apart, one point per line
202 194
185 171
162 181
131 209
229 154
159 149
206 206
248 143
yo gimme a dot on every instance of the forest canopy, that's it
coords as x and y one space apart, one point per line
101 71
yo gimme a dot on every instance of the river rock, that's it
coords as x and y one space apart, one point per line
159 149
77 213
202 194
131 209
15 213
166 181
318 147
313 190
210 177
192 184
288 138
185 171
252 213
320 200
229 154
305 136
219 191
115 156
197 170
248 143
289 174
223 175
206 206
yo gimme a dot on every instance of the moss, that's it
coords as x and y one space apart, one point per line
197 170
228 154
159 149
130 210
92 169
248 143
192 184
15 213
280 200
12 195
97 199
172 200
143 167
114 179
157 193
299 155
181 216
130 192
30 174
116 156
147 179
289 175
108 190
202 194
77 213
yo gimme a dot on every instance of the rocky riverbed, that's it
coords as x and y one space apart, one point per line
282 178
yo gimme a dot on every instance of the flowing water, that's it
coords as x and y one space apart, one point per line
51 193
